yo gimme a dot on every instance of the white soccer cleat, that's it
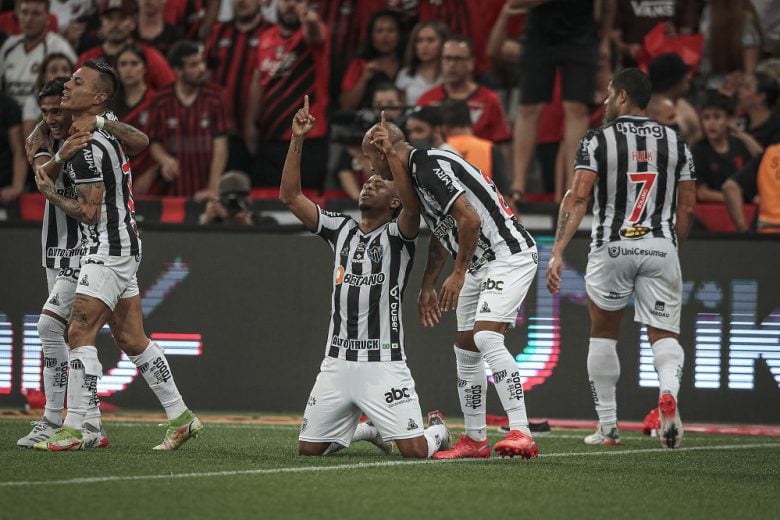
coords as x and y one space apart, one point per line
610 438
94 437
41 431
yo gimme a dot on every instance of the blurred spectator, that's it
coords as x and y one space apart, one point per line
456 124
195 17
117 23
769 18
759 178
422 70
662 110
487 114
389 98
560 36
232 206
424 129
670 78
757 98
188 127
13 162
54 65
10 24
72 16
352 171
133 105
635 18
722 152
732 41
770 67
152 28
230 54
379 61
21 55
292 62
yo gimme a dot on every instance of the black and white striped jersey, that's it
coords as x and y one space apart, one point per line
440 177
639 163
370 273
104 160
61 244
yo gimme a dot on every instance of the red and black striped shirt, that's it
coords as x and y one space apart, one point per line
289 69
138 116
188 133
231 55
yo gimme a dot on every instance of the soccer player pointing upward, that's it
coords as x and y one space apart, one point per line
365 365
641 175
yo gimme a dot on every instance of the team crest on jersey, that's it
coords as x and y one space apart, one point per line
55 299
375 253
634 232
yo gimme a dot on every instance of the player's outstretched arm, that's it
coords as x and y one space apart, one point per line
290 192
573 207
409 218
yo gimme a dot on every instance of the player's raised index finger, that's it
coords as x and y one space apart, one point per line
382 120
306 103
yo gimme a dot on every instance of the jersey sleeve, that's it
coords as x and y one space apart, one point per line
329 223
85 165
437 180
688 171
586 153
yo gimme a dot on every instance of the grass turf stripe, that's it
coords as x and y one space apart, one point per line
366 465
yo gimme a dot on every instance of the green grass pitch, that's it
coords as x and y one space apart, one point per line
252 471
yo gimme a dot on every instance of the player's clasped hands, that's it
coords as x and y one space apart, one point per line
303 121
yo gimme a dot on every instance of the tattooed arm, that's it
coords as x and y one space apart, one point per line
427 302
573 208
469 224
135 141
85 208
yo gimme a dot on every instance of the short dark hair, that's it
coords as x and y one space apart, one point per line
54 87
455 113
107 76
766 85
47 3
714 99
180 50
428 114
459 38
636 85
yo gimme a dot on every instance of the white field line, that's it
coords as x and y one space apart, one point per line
365 465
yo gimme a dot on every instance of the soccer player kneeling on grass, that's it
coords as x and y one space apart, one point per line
364 366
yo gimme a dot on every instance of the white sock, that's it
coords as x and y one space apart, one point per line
157 372
364 432
472 384
604 372
506 377
434 435
668 358
93 416
85 370
55 366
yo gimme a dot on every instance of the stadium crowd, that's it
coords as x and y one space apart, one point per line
215 85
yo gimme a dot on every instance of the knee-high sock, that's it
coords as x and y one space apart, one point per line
604 372
668 358
472 386
506 377
85 370
154 366
55 366
433 436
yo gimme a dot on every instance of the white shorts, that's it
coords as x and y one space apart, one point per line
495 292
109 278
383 390
62 290
648 268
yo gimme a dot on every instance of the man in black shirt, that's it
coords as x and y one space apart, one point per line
757 97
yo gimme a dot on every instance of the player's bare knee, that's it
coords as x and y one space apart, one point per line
465 341
416 448
654 334
311 449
